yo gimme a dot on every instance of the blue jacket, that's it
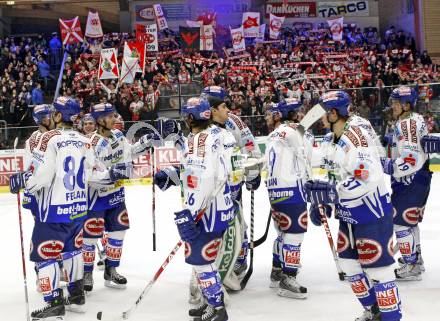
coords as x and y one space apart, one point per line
37 96
43 69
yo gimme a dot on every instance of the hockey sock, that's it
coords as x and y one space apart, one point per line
407 245
210 284
74 266
242 257
362 289
388 301
291 251
88 251
416 230
49 278
113 249
276 251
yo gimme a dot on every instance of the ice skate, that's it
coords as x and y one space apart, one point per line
198 310
76 300
370 314
275 277
408 272
419 262
241 270
88 281
53 311
113 279
101 264
213 314
290 288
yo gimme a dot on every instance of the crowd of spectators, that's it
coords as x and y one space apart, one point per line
303 63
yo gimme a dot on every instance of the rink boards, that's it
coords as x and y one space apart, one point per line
11 161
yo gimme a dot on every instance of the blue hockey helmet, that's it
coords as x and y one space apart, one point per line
215 91
101 110
198 107
68 107
338 100
404 94
284 107
40 112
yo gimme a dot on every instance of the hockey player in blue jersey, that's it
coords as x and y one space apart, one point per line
61 166
288 156
408 166
107 210
356 187
206 189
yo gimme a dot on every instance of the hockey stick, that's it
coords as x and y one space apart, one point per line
341 274
23 261
262 239
251 246
126 314
153 194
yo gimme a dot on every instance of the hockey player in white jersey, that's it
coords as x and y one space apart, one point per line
207 192
62 164
107 208
408 165
288 156
87 124
42 117
240 145
357 189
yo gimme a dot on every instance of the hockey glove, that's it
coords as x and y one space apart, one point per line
431 144
315 214
18 181
321 192
150 140
170 126
387 165
167 177
188 229
253 184
121 171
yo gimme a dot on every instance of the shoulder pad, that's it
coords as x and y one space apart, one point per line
215 130
328 138
46 137
233 119
117 133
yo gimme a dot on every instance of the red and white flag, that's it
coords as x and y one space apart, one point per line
71 31
108 64
207 38
160 17
93 27
336 26
275 26
251 24
151 38
238 39
129 68
134 49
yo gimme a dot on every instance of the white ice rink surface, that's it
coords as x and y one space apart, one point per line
328 298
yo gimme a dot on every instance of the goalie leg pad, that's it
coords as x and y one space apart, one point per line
210 284
406 240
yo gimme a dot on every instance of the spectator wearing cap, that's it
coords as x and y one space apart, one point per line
37 95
